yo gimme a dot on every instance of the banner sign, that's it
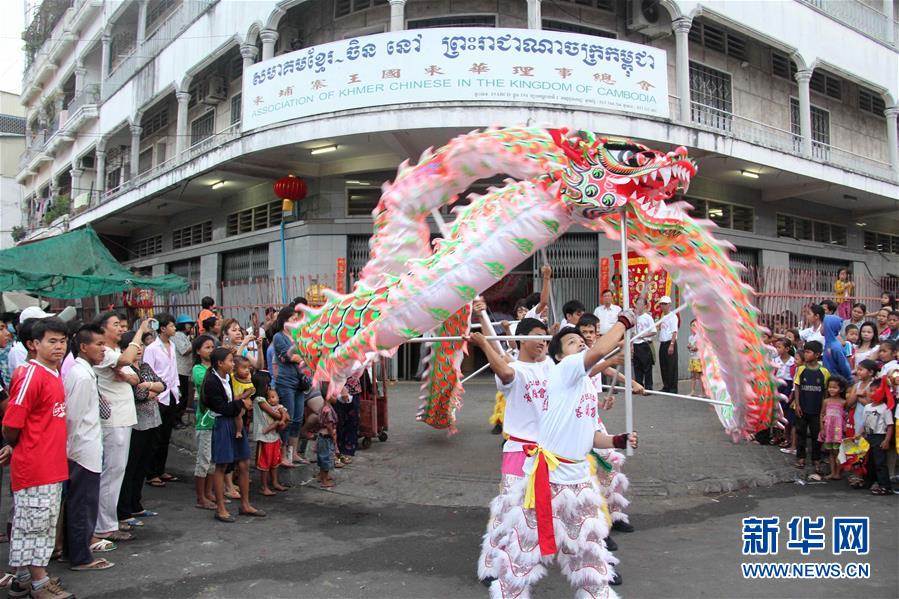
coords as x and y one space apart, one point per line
341 275
457 64
641 278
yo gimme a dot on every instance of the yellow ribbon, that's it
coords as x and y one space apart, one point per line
552 461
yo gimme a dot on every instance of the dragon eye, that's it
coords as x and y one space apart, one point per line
598 173
591 191
608 199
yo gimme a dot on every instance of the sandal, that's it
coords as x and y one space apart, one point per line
131 522
255 514
97 564
156 483
879 491
144 514
799 464
103 546
229 518
169 478
6 580
118 535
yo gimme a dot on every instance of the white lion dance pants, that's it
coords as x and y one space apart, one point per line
613 485
511 551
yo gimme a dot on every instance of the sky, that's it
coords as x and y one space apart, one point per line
11 26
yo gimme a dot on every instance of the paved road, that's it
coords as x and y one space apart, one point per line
405 521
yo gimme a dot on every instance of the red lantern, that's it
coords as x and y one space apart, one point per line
290 189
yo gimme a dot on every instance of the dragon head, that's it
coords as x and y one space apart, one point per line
607 174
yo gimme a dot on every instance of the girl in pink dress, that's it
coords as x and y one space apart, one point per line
833 419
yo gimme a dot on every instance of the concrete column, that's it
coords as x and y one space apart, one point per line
141 22
535 19
75 174
106 39
890 27
100 164
682 65
135 149
805 110
80 72
891 113
397 15
249 54
269 39
181 124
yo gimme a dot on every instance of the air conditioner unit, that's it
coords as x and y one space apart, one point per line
214 90
645 16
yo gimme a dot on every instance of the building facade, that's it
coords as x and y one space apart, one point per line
12 144
136 126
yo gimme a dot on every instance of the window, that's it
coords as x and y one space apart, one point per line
192 235
881 242
453 21
156 10
254 219
155 121
202 127
726 216
362 200
113 178
805 229
145 161
869 101
245 264
148 247
826 84
820 130
344 7
782 65
712 102
235 68
236 104
719 39
189 269
553 25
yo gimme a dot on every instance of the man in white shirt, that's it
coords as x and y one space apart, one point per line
560 491
643 359
117 416
162 358
606 312
84 450
668 346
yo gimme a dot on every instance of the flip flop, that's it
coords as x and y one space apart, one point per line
6 580
103 546
169 478
156 483
229 518
143 514
204 507
118 535
132 522
256 514
97 564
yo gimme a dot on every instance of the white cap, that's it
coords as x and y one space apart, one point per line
35 312
665 299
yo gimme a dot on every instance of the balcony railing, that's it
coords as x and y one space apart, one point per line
89 95
857 15
213 141
751 131
175 25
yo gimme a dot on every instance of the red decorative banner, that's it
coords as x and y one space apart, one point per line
603 274
641 278
341 275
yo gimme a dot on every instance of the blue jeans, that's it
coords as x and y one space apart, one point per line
323 453
295 401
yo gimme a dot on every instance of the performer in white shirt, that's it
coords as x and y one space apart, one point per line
668 346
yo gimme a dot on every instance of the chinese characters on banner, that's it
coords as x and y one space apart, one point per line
457 64
639 278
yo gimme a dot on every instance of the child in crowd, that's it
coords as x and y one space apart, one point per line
858 397
326 444
242 387
204 468
850 340
269 418
833 420
694 366
786 370
809 388
878 431
347 408
842 291
886 355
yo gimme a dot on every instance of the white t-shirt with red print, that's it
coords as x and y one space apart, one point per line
525 398
568 424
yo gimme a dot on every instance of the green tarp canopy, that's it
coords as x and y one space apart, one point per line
74 265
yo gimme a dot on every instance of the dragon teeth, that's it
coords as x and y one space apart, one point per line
666 174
